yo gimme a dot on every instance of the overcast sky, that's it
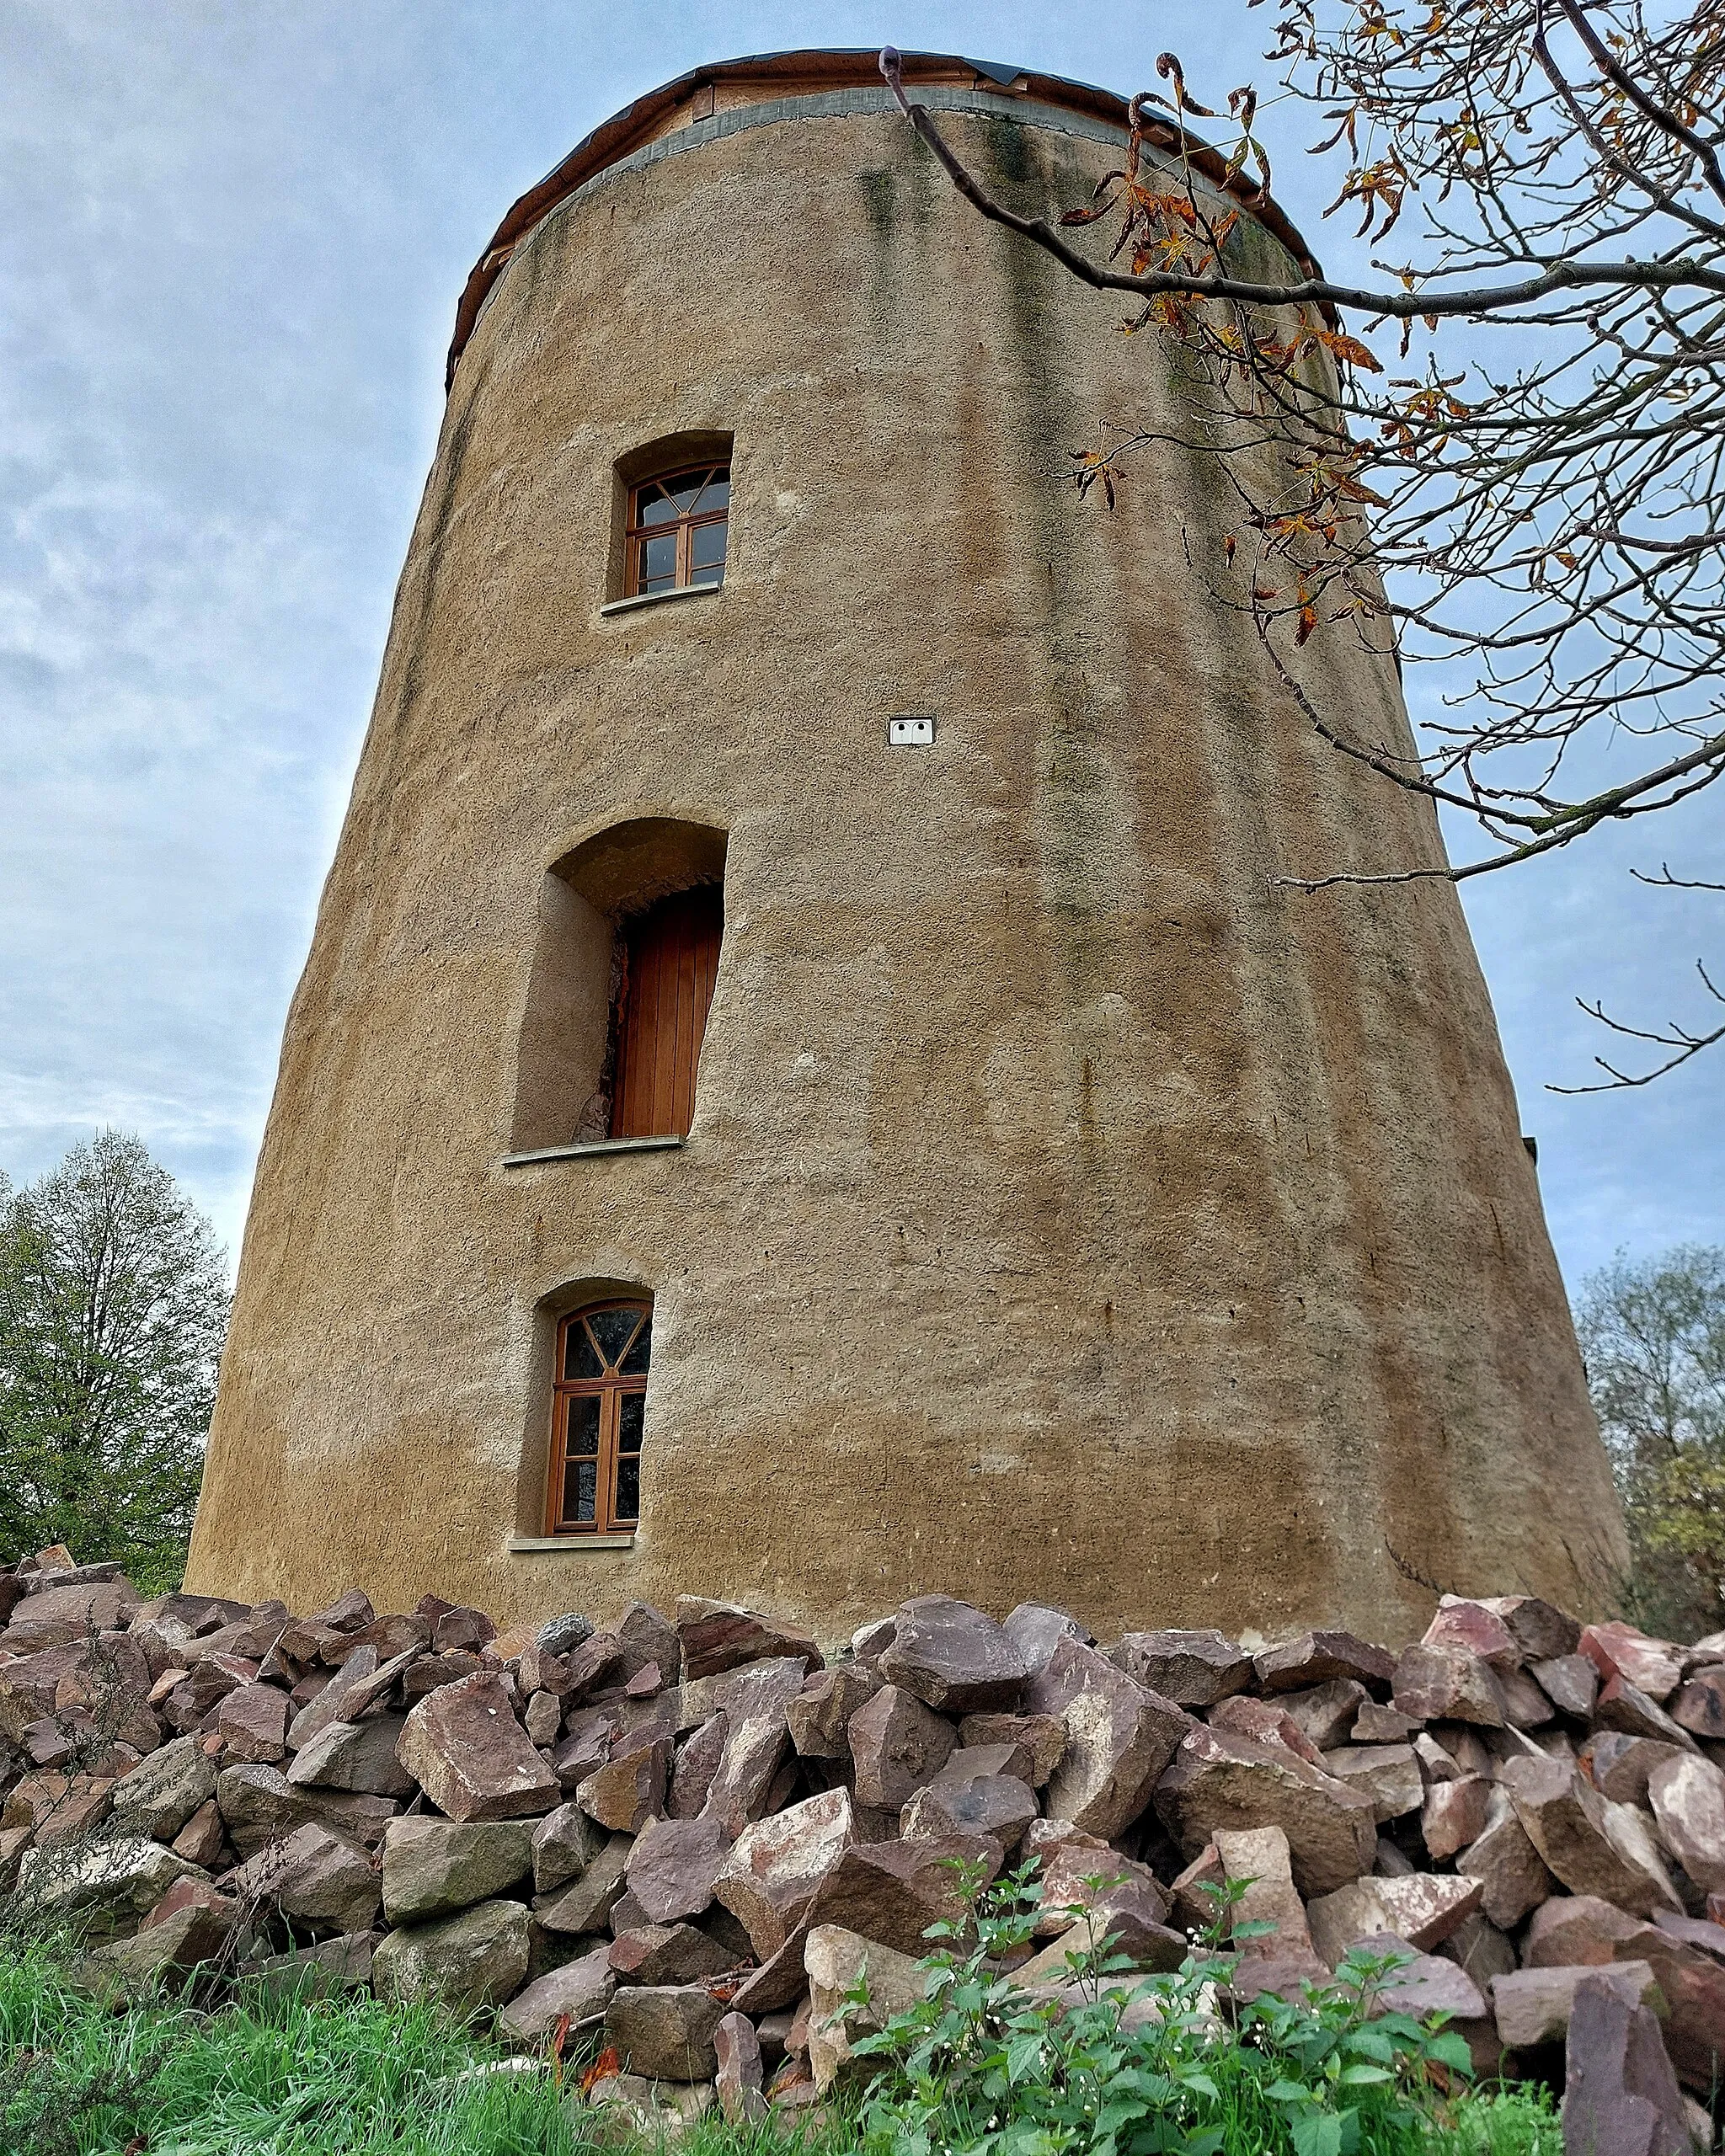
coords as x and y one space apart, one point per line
232 242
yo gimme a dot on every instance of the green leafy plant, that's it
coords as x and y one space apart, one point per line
1115 2063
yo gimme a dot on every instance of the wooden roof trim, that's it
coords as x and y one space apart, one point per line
788 74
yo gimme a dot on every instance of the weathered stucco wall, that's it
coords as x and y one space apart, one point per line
1070 1211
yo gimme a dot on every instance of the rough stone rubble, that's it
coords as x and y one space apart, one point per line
696 1832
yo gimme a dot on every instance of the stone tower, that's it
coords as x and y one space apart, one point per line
820 914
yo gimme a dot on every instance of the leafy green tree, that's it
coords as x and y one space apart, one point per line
113 1311
1654 1336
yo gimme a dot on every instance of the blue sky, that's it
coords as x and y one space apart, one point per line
233 238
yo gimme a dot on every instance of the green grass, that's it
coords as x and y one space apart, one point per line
286 2076
346 2076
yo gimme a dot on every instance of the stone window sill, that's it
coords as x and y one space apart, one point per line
660 598
597 1145
568 1545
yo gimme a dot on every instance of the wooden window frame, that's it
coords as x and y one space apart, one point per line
637 534
611 1389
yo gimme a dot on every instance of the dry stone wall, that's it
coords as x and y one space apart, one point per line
688 1833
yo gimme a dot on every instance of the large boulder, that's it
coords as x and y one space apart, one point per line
819 1718
1423 1908
1221 1780
65 1616
892 1891
1388 1774
1448 1684
581 1988
664 2031
738 2081
673 1865
1570 1682
354 1755
1688 1797
1257 1862
252 1723
856 1986
1581 1927
953 1657
333 1703
1653 1667
1476 1627
1042 1736
1326 1715
586 1904
315 1877
463 1746
1120 1737
1318 1658
1093 1897
630 1788
478 1958
1192 1669
996 1807
164 1789
1454 1814
112 1885
260 1806
720 1635
1620 2094
771 1876
757 1742
899 1746
188 1937
565 1842
433 1867
1532 2006
1036 1630
1699 1706
1512 1873
668 1954
1593 1846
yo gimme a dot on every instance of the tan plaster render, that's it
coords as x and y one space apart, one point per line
1070 1212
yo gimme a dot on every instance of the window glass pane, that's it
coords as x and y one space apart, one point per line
632 1417
628 1489
717 493
613 1329
653 508
658 561
685 490
579 1360
580 1488
707 545
634 1363
583 1424
714 575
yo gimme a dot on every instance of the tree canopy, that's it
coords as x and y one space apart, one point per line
113 1311
1653 1335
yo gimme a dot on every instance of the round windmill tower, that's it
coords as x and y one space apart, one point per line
807 1086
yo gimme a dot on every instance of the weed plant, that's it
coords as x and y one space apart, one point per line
1126 2065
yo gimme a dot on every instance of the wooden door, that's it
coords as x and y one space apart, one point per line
670 957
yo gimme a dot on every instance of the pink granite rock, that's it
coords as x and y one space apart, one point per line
464 1746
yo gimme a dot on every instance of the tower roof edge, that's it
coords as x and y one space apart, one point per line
761 77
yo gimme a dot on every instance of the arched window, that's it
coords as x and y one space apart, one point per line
670 954
598 1419
676 529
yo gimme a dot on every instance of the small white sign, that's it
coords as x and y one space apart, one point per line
910 733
